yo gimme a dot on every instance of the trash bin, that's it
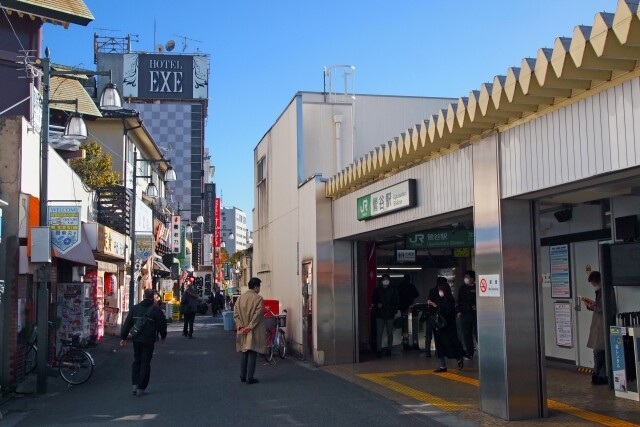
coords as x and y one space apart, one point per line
227 321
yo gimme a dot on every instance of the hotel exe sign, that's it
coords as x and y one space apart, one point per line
391 199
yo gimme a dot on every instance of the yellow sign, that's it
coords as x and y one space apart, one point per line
167 296
462 252
588 268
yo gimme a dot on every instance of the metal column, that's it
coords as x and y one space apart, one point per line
510 355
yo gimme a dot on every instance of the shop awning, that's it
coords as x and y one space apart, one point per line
81 254
159 266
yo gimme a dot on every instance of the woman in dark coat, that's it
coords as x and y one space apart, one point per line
447 343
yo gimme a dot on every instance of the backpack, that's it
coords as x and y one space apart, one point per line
141 323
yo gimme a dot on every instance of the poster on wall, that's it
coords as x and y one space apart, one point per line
562 312
560 277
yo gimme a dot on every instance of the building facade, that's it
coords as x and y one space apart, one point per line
234 229
531 180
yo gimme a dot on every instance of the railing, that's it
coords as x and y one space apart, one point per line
114 208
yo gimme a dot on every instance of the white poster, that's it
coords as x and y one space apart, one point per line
564 324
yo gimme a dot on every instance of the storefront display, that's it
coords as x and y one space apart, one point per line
74 311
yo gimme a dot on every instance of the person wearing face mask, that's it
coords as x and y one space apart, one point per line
467 314
251 333
385 303
447 343
596 332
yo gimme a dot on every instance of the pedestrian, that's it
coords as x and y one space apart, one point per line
219 301
467 313
212 302
189 307
157 300
143 343
407 293
596 339
447 343
428 329
385 304
248 313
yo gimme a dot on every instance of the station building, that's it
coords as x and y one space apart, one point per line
541 167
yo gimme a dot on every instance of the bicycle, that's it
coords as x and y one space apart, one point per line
74 364
276 341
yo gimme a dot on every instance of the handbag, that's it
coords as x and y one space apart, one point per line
437 321
141 323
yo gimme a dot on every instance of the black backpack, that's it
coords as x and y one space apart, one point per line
141 323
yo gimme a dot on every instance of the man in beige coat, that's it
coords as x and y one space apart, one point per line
251 333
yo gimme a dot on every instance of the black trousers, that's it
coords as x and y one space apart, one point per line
188 323
599 364
469 325
141 368
248 364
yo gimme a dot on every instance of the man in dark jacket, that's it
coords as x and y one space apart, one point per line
467 313
189 307
143 344
385 303
428 329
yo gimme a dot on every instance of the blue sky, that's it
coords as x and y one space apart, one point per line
263 52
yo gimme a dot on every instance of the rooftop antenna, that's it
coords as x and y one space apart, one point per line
185 42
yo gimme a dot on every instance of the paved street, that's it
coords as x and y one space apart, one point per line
196 383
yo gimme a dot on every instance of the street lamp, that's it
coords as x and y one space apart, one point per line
76 128
151 191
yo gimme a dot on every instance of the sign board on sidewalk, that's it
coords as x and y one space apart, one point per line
489 285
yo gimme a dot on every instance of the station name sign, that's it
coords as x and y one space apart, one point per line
439 238
157 76
392 199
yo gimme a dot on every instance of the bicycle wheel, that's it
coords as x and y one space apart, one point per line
268 355
30 359
76 367
282 344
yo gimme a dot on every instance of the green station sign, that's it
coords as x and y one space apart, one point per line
439 238
391 199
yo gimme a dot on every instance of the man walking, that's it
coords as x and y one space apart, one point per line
467 312
143 342
251 333
188 307
407 293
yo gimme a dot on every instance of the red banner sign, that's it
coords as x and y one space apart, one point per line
216 244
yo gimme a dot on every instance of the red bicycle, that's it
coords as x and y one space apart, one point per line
276 341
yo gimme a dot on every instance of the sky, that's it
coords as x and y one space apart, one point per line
263 52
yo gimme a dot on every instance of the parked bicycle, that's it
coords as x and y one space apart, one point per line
276 341
72 361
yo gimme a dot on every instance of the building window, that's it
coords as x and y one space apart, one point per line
261 172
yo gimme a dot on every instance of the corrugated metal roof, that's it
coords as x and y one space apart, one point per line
56 11
594 59
67 89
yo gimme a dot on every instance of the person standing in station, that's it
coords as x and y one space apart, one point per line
407 293
467 313
447 343
428 329
143 343
251 335
596 339
385 304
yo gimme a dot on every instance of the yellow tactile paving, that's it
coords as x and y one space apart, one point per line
384 379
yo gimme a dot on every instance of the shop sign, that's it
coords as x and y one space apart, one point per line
160 76
64 223
206 250
616 334
209 207
144 218
391 199
489 285
36 108
112 243
175 234
441 238
162 233
216 242
406 255
144 246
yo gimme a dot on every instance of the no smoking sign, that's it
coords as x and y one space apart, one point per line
490 285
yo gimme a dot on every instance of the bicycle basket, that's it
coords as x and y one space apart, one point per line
282 321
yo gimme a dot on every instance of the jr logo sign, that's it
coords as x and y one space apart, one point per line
364 207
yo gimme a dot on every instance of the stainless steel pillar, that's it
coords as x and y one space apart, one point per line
512 383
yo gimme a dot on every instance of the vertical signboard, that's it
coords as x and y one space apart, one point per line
144 246
64 223
616 334
209 207
216 244
560 279
206 250
564 324
175 234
